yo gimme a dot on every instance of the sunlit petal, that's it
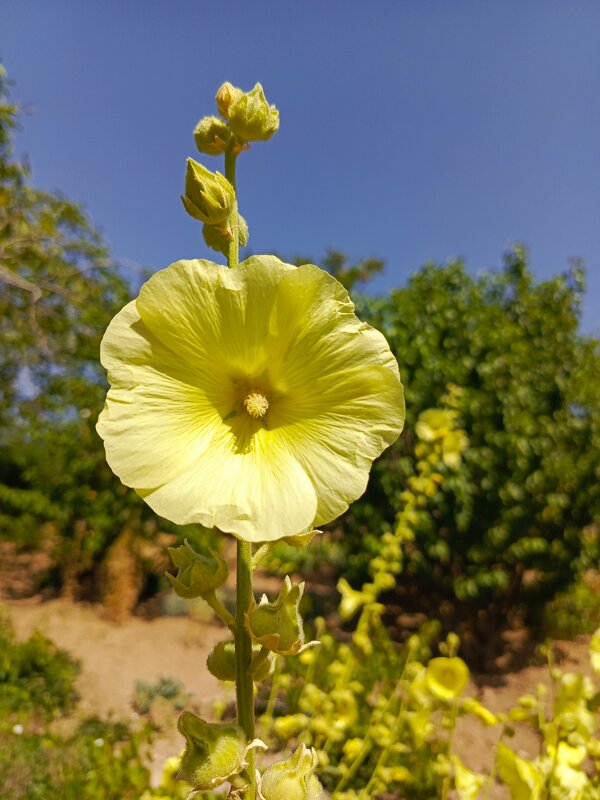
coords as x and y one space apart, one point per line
251 399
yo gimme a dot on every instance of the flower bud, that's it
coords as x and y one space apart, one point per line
197 575
213 752
221 662
211 135
293 779
218 237
251 118
209 196
278 626
227 95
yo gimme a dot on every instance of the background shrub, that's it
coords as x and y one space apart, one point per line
512 524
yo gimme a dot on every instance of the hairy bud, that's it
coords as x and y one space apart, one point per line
209 196
197 575
251 118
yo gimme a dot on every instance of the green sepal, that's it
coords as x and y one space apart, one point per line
214 752
293 779
221 662
218 237
197 575
277 626
301 539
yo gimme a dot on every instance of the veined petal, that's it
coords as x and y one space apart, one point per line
336 434
252 399
206 311
258 493
155 418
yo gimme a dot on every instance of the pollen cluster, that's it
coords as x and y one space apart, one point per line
256 404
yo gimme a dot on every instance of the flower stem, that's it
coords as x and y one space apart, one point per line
244 684
234 244
220 610
243 655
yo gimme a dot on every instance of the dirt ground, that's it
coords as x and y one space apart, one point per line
113 657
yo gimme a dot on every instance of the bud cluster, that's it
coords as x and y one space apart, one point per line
209 197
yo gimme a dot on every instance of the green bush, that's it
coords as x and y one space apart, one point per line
59 290
573 612
35 677
100 761
505 354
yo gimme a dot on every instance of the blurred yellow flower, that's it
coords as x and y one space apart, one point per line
595 651
251 399
446 677
468 784
523 778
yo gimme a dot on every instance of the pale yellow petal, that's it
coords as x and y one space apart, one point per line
184 359
205 311
258 492
154 419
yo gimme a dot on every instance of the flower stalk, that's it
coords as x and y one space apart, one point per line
244 684
231 155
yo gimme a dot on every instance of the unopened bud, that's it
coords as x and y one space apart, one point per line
197 575
211 135
251 118
293 779
209 196
218 237
226 96
221 662
213 752
278 626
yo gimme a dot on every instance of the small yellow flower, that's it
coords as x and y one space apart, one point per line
446 677
250 399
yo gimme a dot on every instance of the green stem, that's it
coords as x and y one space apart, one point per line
244 685
234 244
220 610
243 656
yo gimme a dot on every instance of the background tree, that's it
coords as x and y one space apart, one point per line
58 291
511 525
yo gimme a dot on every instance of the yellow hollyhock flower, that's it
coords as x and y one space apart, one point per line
250 399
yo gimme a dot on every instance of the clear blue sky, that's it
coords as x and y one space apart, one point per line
410 129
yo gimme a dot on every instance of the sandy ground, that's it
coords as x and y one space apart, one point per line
113 657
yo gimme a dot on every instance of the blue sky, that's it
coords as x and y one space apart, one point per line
411 130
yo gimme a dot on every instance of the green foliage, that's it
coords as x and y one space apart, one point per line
382 720
169 688
35 677
101 761
510 524
573 612
58 291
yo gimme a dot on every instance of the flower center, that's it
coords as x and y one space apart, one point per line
256 404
